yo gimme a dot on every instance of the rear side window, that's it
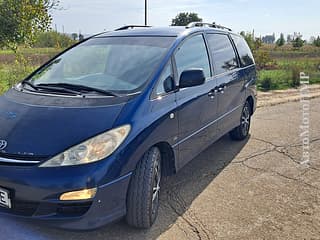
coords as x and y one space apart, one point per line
244 51
193 54
223 53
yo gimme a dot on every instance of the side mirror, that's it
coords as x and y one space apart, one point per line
192 78
168 84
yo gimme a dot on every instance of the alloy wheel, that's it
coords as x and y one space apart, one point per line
156 187
245 120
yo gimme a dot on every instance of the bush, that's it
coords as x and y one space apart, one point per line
266 84
279 79
263 59
281 41
295 82
53 39
13 73
298 43
316 42
253 43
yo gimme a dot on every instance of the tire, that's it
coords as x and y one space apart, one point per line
242 131
144 189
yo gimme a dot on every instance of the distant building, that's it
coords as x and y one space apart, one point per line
269 39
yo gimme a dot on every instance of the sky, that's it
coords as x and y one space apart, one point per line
264 17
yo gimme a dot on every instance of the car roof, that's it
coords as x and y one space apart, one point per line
160 31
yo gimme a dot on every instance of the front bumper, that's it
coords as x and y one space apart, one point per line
35 195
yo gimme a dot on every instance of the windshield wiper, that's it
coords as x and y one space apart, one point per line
78 88
50 88
29 84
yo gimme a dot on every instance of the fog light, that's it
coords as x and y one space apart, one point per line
79 195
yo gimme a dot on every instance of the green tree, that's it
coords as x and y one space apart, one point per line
81 37
263 59
22 20
53 39
297 43
253 43
281 41
316 42
249 38
258 43
183 19
74 36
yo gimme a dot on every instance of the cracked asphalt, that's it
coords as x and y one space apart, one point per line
256 189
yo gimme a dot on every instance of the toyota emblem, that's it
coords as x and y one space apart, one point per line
3 144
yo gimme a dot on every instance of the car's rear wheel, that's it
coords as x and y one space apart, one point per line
242 131
144 190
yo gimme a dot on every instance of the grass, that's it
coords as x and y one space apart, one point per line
286 63
12 71
32 51
288 52
11 74
279 79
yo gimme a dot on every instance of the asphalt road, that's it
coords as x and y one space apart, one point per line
256 189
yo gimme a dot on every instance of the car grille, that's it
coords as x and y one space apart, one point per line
75 209
21 208
24 160
28 209
24 208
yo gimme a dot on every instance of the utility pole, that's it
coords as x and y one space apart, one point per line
145 12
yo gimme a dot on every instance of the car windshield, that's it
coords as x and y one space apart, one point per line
114 64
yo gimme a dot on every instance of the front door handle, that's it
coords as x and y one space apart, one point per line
212 94
222 88
219 89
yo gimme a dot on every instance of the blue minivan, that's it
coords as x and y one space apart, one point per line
87 137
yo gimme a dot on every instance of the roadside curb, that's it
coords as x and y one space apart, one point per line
274 98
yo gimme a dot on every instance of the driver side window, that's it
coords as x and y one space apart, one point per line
193 54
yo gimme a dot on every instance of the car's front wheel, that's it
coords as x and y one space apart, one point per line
242 131
144 189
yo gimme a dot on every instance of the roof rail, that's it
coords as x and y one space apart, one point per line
212 25
131 27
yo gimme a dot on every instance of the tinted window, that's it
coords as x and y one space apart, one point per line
244 51
165 75
193 54
120 64
223 53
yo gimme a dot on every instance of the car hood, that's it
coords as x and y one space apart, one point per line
42 126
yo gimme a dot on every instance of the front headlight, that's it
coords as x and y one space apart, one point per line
92 150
